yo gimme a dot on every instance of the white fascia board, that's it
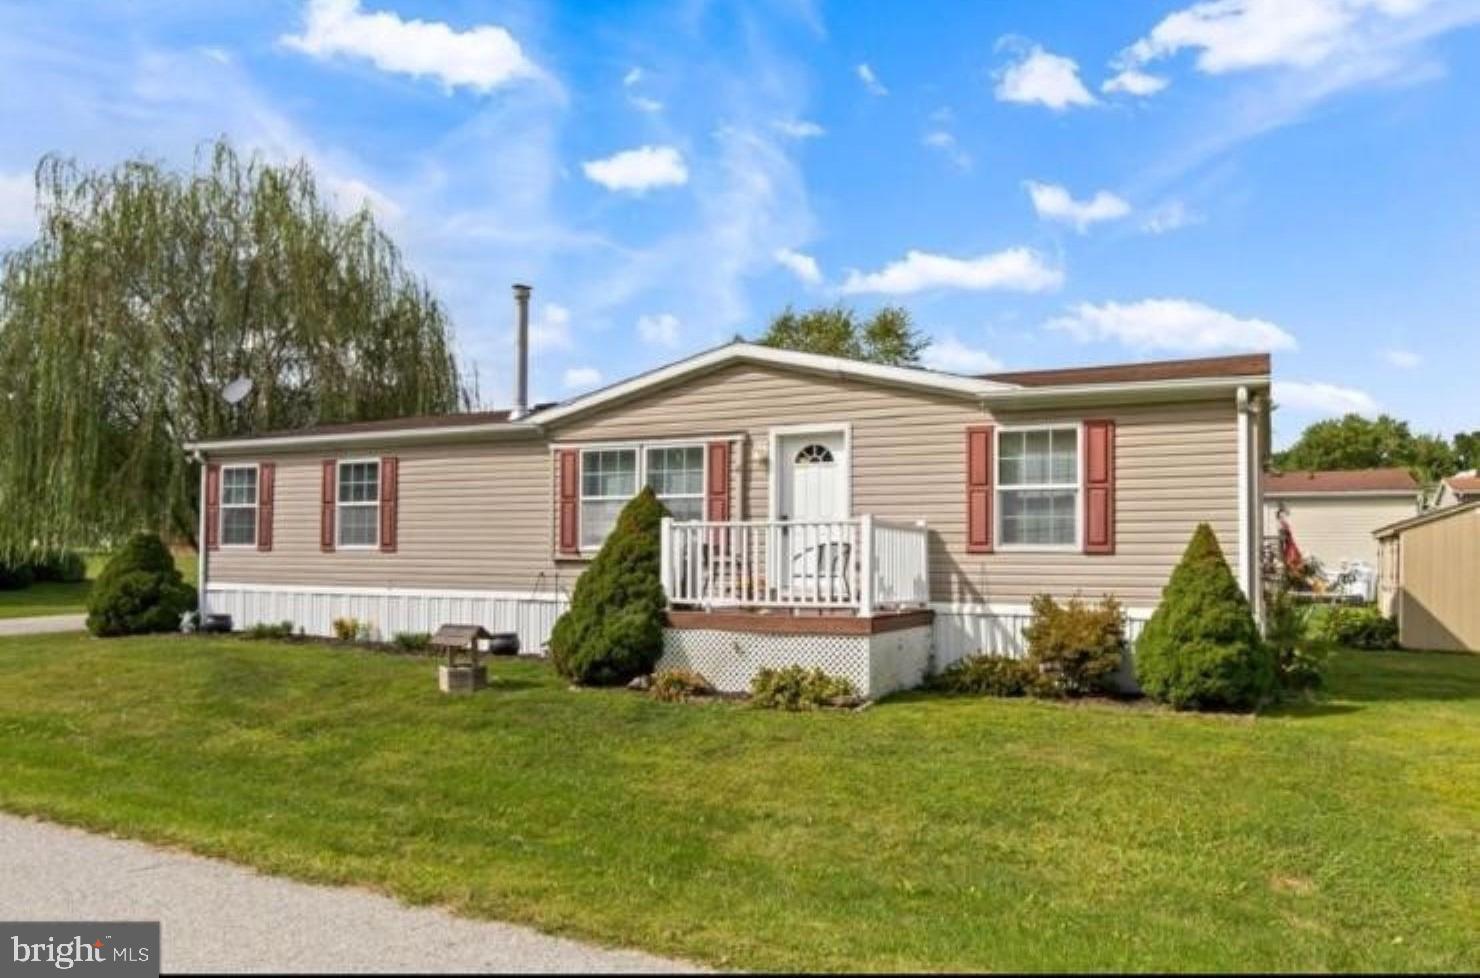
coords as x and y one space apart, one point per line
388 436
1138 390
840 367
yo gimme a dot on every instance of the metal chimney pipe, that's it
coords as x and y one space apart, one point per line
521 351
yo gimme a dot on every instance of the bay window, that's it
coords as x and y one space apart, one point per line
1038 487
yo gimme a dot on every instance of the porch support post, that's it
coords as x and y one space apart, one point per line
665 549
866 565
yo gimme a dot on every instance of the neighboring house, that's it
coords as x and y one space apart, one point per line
1431 578
1462 487
870 519
1333 514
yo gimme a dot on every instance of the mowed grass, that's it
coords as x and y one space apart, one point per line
924 833
53 598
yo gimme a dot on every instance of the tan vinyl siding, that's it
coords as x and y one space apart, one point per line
1176 464
1438 599
482 516
1340 527
472 516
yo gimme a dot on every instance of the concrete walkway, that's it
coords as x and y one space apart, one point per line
42 624
217 916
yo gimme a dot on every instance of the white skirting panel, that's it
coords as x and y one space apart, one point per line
389 611
962 632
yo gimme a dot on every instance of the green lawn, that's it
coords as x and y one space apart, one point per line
924 833
52 598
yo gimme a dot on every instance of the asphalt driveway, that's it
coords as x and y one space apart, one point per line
216 916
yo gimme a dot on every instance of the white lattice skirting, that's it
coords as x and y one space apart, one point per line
389 611
876 664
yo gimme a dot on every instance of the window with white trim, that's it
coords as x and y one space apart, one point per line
357 513
1038 487
608 481
610 477
676 475
239 506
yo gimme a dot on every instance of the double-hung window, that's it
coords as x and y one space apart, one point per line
239 506
610 477
676 474
357 519
608 480
1038 487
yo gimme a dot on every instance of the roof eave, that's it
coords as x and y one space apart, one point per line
1138 390
388 436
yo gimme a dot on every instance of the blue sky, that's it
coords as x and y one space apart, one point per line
1040 184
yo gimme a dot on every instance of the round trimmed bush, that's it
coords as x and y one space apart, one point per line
613 630
139 591
1202 649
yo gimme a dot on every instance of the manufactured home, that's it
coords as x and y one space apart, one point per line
1333 513
876 521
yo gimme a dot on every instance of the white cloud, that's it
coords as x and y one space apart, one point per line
798 128
1314 397
644 104
481 58
870 80
577 378
1042 78
639 170
1053 203
661 329
550 330
1017 269
802 266
1239 35
633 76
1169 217
349 194
1133 81
17 205
1180 325
1402 359
953 356
945 142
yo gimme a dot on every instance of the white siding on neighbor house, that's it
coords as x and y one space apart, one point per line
1339 526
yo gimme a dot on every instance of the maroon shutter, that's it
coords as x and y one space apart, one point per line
213 507
1099 487
266 477
568 512
326 505
717 498
979 489
390 468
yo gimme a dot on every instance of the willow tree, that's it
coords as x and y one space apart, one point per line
147 291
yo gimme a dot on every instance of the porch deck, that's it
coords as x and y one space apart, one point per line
859 567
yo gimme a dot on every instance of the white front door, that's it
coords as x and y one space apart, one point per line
812 490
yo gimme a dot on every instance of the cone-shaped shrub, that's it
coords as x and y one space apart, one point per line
614 628
1201 649
139 591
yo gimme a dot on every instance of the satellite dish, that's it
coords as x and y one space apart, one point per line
237 390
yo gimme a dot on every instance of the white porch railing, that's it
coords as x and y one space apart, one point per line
863 564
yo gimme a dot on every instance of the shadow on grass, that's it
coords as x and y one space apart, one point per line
1378 677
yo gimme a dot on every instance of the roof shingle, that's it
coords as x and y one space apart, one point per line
1352 480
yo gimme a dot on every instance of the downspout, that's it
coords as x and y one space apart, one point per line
201 550
1246 578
